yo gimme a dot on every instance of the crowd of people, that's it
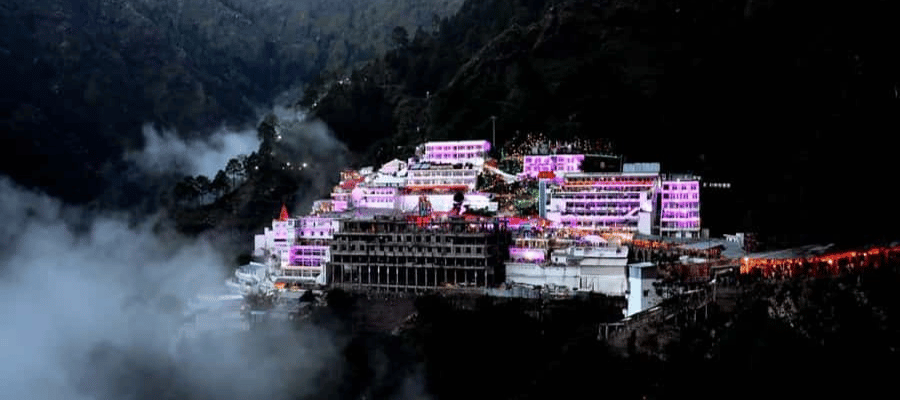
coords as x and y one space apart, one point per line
538 143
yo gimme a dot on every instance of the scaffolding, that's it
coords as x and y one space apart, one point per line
418 254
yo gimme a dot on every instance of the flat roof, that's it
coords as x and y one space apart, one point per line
605 174
705 244
645 264
795 252
443 142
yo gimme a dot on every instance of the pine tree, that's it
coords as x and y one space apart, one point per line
220 183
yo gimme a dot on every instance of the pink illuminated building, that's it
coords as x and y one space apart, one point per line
559 164
310 251
375 197
297 247
680 209
639 200
427 176
458 152
602 202
529 250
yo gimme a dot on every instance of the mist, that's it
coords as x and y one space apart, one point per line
93 305
310 147
166 152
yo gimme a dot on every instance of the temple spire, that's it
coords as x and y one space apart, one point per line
284 213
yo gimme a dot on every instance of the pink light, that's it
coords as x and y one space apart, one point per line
526 253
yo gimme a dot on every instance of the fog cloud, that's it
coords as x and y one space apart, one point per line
166 152
309 142
92 305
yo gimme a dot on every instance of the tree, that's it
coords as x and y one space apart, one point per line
435 24
182 191
251 164
400 36
203 185
233 168
220 183
190 188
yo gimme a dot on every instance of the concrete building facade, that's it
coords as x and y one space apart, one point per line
415 254
641 291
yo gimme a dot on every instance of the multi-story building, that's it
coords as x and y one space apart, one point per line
375 197
444 202
600 202
297 247
430 176
638 200
680 208
641 290
558 164
457 152
274 244
314 227
591 268
417 253
307 261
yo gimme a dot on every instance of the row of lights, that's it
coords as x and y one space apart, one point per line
288 166
722 185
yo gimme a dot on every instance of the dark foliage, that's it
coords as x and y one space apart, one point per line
777 97
81 78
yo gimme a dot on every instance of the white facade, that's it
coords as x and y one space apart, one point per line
385 180
375 197
279 244
542 275
641 292
591 269
275 243
312 227
425 176
680 209
736 238
444 202
605 201
393 166
457 152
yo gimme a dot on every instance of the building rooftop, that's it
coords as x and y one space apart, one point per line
641 167
796 252
646 264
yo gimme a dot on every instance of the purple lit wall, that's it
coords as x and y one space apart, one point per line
558 164
605 202
680 211
526 254
456 152
308 255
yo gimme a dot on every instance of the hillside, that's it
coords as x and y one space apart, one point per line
764 94
82 78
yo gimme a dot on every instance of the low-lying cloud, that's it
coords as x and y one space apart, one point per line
166 152
310 146
92 305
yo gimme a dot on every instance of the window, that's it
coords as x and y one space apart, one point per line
646 292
